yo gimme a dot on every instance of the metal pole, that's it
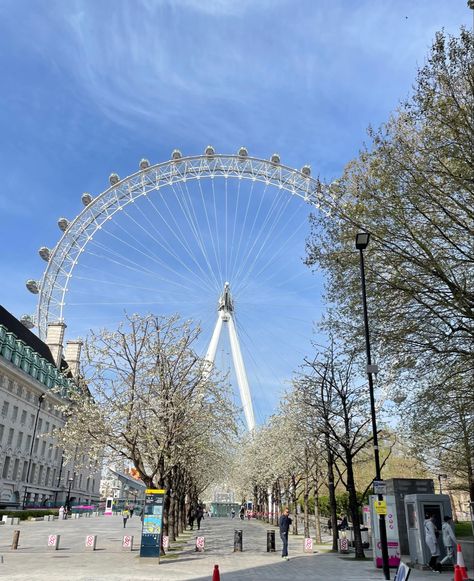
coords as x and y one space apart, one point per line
40 401
382 524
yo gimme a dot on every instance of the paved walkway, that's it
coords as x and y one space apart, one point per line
33 561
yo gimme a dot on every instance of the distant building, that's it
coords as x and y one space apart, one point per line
121 484
33 470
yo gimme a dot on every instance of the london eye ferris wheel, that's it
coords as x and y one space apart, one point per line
201 235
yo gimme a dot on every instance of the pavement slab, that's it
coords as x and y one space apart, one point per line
34 561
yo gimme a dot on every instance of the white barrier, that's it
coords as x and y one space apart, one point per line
127 542
200 544
308 545
166 543
91 541
53 542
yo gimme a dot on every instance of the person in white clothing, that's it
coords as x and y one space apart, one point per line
449 540
431 538
61 513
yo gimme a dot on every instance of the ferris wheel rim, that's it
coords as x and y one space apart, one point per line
301 184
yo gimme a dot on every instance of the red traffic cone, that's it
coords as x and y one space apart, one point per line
216 576
461 564
457 573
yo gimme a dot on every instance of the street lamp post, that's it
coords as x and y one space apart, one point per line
40 402
439 480
68 499
362 241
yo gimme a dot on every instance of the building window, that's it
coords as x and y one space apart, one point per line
23 418
46 429
15 469
5 407
2 429
19 391
56 453
27 395
40 475
80 481
93 485
40 425
32 420
6 467
11 385
28 443
10 436
24 471
87 484
14 413
50 451
43 448
19 440
54 483
48 474
35 447
32 473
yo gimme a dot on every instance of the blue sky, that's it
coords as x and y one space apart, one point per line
92 87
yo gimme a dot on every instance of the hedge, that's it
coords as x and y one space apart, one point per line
26 514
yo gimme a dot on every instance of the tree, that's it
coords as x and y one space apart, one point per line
413 190
150 400
328 387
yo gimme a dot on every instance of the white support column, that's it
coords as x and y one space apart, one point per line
225 310
241 375
211 352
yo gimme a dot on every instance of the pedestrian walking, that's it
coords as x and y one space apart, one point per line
284 525
61 513
199 516
431 538
132 508
232 513
191 517
125 516
449 540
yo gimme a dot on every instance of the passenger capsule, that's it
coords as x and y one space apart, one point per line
144 163
176 154
306 170
45 253
32 286
86 198
27 321
63 223
210 151
243 152
275 158
113 179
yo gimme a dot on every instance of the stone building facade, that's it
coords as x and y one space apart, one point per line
34 380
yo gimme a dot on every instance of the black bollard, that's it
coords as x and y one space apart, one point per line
238 537
16 539
270 541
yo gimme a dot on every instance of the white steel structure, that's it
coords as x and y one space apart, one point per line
225 315
193 253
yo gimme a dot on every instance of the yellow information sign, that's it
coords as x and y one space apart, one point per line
154 491
380 506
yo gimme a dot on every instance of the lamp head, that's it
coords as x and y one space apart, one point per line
362 240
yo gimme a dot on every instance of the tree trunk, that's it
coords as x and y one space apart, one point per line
294 502
332 494
317 516
354 507
306 508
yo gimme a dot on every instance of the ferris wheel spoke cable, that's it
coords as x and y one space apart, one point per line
232 247
275 214
177 238
211 235
160 261
216 225
152 257
210 272
135 267
243 228
279 251
195 227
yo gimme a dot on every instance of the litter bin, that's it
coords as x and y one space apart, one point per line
270 541
364 533
238 541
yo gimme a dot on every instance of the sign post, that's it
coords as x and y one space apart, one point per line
152 523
